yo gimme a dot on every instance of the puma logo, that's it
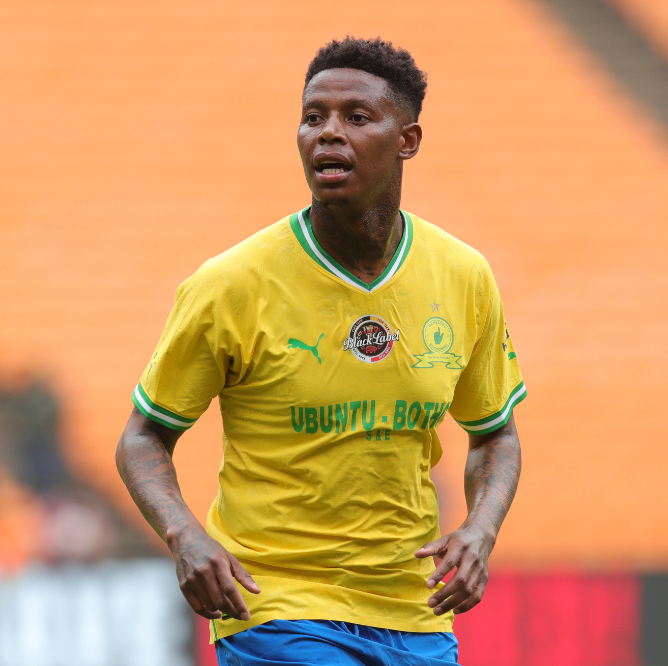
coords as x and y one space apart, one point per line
293 343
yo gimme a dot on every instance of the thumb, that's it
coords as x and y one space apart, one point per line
433 547
427 549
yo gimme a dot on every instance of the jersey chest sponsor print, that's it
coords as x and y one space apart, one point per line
370 339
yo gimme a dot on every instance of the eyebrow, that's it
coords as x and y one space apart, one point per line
319 104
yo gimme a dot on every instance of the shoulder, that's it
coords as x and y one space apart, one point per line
432 241
243 265
255 252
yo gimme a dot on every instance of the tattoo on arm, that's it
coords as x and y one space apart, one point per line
144 460
492 473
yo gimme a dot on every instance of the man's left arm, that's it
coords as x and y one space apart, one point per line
490 481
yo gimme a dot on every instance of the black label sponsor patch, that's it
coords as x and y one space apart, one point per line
370 339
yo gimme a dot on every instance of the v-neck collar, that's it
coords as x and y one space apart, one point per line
301 226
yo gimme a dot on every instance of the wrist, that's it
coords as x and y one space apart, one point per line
175 533
487 531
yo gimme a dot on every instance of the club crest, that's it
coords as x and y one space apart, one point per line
438 337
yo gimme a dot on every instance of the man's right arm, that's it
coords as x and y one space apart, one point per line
206 571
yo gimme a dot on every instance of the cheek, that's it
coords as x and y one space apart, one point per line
378 156
304 143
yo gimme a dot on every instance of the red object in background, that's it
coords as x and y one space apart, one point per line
536 620
553 620
205 654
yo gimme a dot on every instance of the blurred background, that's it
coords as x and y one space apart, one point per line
137 139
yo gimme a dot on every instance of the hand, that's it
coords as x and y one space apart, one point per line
467 549
206 573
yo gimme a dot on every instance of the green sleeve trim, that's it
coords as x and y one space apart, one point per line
159 414
498 419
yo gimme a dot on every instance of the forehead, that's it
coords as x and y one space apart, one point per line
335 86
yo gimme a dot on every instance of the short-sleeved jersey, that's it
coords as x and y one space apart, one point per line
331 391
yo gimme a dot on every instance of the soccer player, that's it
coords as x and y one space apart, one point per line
336 340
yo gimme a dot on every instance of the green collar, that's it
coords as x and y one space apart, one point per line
301 226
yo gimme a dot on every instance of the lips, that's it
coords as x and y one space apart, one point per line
331 167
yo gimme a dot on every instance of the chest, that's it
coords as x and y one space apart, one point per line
371 355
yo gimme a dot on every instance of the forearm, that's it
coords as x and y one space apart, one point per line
145 465
206 571
490 481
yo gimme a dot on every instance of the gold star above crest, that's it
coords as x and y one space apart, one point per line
435 306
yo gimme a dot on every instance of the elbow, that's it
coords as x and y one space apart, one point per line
120 454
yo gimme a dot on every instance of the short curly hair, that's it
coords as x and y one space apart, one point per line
375 56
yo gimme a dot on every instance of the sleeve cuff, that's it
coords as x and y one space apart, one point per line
498 419
159 414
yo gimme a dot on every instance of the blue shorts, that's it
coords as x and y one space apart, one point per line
330 643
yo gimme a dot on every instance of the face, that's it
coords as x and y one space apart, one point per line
353 137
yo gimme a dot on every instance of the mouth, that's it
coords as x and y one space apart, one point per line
332 169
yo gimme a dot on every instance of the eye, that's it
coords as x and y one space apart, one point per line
312 117
359 118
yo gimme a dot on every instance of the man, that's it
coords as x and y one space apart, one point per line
336 339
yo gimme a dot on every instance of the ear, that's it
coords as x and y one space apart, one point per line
411 136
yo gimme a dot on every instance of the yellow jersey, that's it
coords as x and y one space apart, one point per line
331 392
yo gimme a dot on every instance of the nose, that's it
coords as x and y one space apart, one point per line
332 131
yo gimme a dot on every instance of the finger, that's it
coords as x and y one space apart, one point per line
463 594
216 592
202 582
449 604
472 601
231 591
451 559
202 592
198 607
243 576
467 576
432 547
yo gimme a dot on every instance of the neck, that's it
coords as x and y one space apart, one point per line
363 242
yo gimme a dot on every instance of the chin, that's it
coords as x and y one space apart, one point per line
333 196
